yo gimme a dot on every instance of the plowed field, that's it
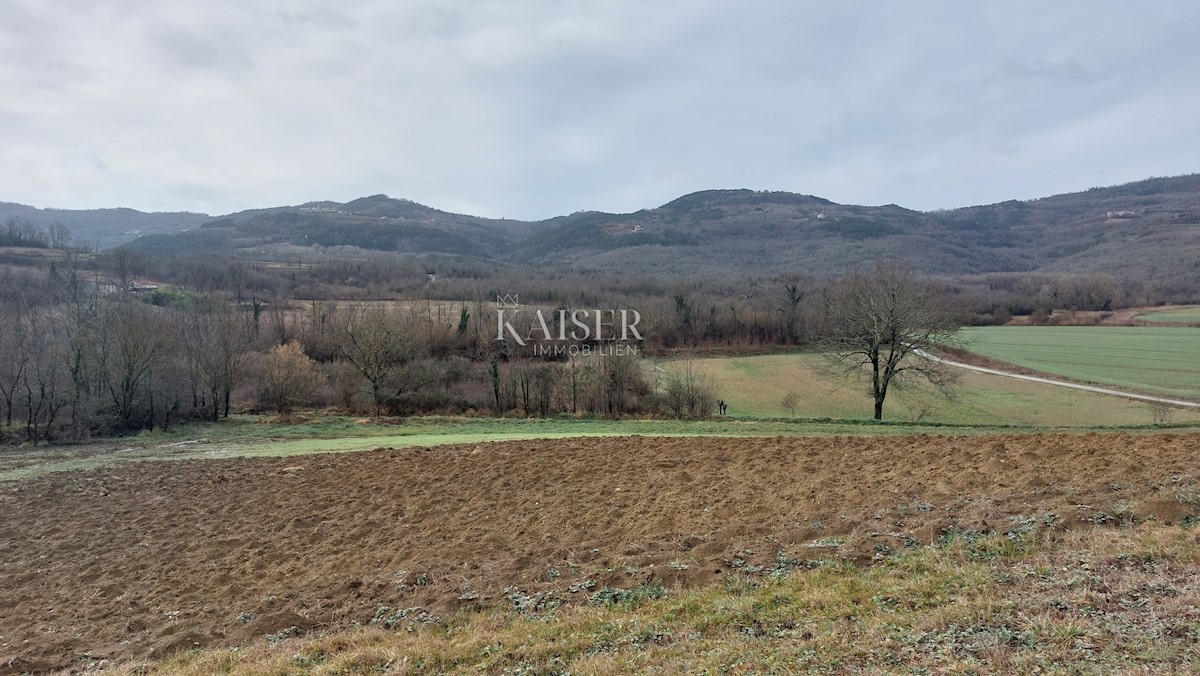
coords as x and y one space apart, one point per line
146 558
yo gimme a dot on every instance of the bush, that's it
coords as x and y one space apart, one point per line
288 378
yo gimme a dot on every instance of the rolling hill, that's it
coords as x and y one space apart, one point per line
104 228
1147 230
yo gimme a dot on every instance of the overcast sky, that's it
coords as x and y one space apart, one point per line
530 109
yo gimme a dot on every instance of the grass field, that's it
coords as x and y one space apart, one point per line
1183 316
755 386
1154 359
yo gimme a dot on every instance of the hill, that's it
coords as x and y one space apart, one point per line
1145 230
370 224
104 227
1148 230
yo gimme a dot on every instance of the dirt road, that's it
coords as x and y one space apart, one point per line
1060 383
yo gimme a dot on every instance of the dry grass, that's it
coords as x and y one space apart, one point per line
1101 600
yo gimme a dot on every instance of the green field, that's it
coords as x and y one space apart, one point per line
1187 315
1163 360
755 386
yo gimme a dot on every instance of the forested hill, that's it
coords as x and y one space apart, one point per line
1144 230
102 228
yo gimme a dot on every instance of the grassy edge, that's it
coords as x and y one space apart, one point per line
258 436
1090 601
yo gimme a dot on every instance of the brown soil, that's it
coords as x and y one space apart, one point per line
1122 317
142 559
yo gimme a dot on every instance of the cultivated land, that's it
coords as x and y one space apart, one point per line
1161 360
958 533
1189 315
138 560
756 386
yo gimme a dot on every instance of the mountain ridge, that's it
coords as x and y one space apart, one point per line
1116 229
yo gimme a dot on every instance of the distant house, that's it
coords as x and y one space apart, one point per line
637 228
143 286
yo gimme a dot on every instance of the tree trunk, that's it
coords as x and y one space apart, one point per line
496 384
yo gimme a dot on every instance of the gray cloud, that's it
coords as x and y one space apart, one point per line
535 108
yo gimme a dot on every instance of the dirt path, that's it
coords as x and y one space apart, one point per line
1060 383
143 559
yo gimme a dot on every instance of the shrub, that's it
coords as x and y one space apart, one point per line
288 378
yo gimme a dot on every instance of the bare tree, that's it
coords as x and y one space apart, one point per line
125 265
346 383
1161 412
689 392
215 344
86 344
141 339
14 346
789 312
60 236
43 382
790 401
886 321
374 342
621 382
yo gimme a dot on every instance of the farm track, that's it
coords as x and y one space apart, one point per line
1060 383
139 560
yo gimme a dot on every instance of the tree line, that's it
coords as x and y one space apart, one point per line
87 349
21 232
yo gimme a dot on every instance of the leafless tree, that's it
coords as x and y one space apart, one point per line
884 321
60 236
689 392
125 266
621 381
43 382
215 342
1160 412
14 355
375 342
140 339
789 312
790 401
78 320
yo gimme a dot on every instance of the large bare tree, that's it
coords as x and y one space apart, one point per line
141 340
14 348
883 321
216 342
375 342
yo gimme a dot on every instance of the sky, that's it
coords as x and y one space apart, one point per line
532 109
